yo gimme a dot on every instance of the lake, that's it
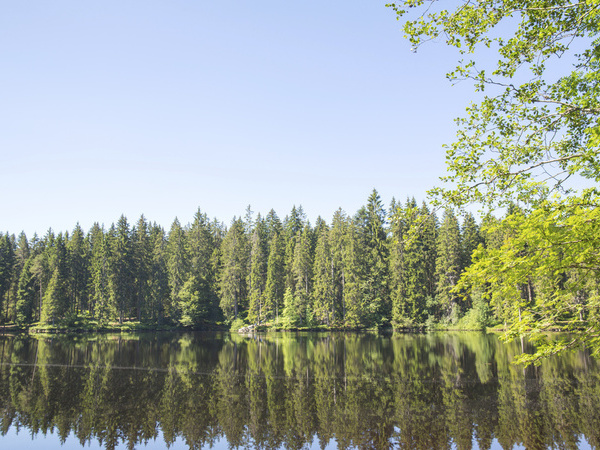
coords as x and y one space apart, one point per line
292 390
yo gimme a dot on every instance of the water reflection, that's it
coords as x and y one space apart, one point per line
293 391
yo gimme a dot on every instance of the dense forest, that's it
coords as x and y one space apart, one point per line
376 269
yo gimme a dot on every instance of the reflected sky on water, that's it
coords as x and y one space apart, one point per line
292 390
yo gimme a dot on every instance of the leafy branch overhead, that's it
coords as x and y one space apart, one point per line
532 139
537 126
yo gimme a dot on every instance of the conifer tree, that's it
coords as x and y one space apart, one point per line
302 271
142 261
122 288
448 265
470 239
232 283
374 260
324 280
338 242
78 269
258 272
275 285
7 258
415 261
27 294
177 266
100 300
159 292
202 249
56 297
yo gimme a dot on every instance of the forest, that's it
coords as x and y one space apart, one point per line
381 268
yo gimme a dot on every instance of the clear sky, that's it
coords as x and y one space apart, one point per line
128 107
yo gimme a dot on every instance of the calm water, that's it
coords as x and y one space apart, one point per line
292 391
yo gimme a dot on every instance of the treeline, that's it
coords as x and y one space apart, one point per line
377 268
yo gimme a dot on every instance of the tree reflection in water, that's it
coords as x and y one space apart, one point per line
296 390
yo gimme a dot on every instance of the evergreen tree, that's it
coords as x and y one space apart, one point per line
159 292
142 262
202 250
324 280
122 287
100 300
275 285
302 271
177 266
56 297
374 260
232 283
293 225
258 272
470 239
27 294
7 261
78 270
338 243
414 260
448 265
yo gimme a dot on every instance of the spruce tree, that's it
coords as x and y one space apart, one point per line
100 303
257 272
232 283
177 266
324 280
202 249
78 269
275 285
7 260
302 271
448 265
142 261
122 287
27 294
374 260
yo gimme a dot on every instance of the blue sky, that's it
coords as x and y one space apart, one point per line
113 107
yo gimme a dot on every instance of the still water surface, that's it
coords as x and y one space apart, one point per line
286 390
